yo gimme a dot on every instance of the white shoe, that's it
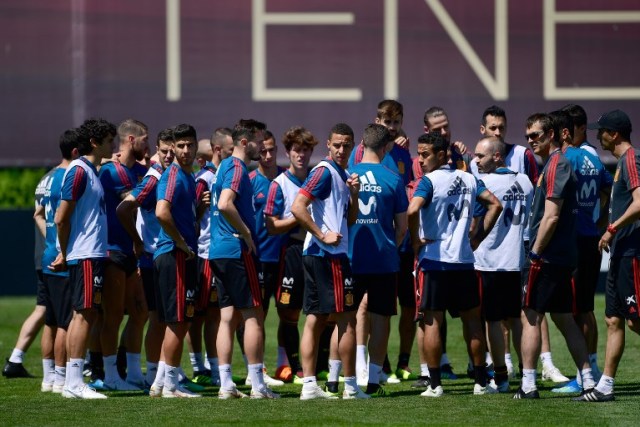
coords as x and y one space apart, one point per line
268 381
553 374
490 388
57 388
231 394
432 392
179 392
355 394
121 385
155 390
84 392
362 378
315 392
386 379
265 393
46 387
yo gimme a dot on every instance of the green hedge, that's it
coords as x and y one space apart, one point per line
17 187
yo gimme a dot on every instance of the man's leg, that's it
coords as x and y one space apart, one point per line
530 345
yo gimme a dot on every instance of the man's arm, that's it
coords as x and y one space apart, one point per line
231 214
353 183
494 208
413 218
632 214
302 215
126 212
548 224
63 225
400 223
277 225
163 213
40 220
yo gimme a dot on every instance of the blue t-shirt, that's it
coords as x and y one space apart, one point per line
146 195
51 201
398 160
372 239
178 188
117 180
226 241
269 246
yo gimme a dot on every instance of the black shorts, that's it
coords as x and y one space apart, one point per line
381 292
622 292
585 277
125 262
501 294
237 281
208 290
548 289
86 279
58 301
269 276
453 290
328 285
406 280
40 291
150 288
177 281
290 290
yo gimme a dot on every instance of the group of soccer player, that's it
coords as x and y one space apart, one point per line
198 254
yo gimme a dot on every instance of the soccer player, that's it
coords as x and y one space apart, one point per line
174 261
500 256
439 220
379 229
321 207
553 256
56 284
234 262
144 228
298 143
123 288
622 240
81 224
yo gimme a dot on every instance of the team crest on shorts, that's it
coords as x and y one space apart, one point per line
213 296
285 298
190 310
348 299
97 297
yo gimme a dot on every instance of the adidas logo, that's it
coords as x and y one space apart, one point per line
514 193
458 187
368 183
260 195
588 168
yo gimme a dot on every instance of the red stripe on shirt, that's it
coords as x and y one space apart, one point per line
532 172
359 153
634 181
78 177
201 187
551 175
271 199
149 188
237 175
123 175
180 285
313 182
171 184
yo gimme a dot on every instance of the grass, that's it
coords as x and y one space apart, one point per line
22 403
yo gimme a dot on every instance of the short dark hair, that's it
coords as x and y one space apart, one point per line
494 111
375 137
298 135
183 131
389 108
218 135
268 135
132 127
435 139
341 129
247 129
561 120
165 135
433 112
68 141
96 129
577 113
543 118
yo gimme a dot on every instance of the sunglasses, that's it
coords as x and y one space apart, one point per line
533 135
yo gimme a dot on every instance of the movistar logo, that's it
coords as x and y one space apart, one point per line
365 208
588 168
514 193
458 187
369 184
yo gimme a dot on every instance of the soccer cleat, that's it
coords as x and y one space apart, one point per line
355 394
553 374
331 387
421 382
446 372
386 379
98 384
503 387
374 390
405 374
322 376
265 393
121 385
155 390
83 392
15 370
433 392
315 392
298 380
205 373
138 382
203 380
520 394
180 393
284 374
46 387
57 388
268 381
488 389
191 386
595 396
570 387
231 394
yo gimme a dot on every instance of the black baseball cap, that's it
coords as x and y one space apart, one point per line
616 120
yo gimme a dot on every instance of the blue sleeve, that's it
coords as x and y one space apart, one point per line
167 185
107 178
145 189
479 209
607 179
424 190
74 185
275 201
318 184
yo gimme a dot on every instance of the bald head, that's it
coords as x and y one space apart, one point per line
204 153
490 153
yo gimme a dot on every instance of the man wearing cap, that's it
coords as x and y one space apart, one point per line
622 241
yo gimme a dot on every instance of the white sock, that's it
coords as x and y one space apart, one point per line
171 374
335 365
74 371
181 374
605 385
361 358
350 384
134 368
48 371
528 380
508 362
374 373
547 361
309 382
587 379
61 373
159 380
213 363
197 362
152 370
444 359
110 369
257 378
578 377
226 382
424 370
206 363
283 360
17 356
488 359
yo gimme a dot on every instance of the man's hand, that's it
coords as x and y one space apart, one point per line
403 142
605 242
331 238
353 183
182 245
59 264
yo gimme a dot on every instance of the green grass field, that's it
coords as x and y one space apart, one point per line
22 403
